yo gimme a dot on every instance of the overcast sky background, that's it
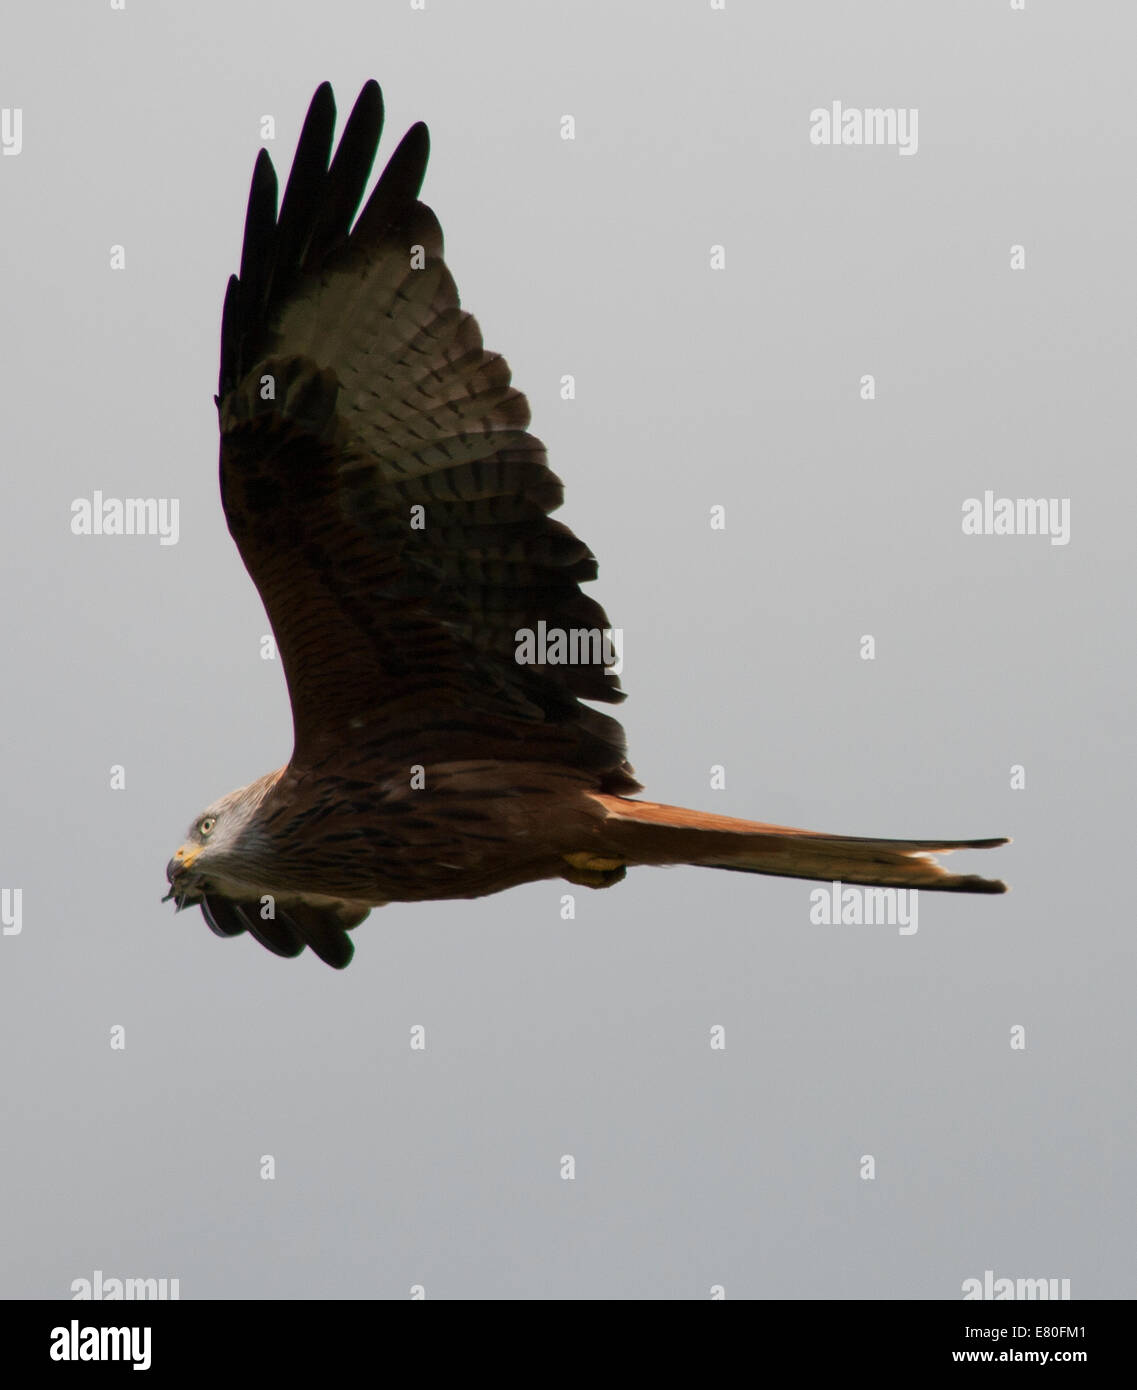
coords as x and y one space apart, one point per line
695 387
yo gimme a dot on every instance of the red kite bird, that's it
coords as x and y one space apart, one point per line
393 511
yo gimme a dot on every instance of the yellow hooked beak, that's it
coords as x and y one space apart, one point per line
182 860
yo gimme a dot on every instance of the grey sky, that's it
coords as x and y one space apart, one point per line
695 387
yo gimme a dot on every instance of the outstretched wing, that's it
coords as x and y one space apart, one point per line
380 483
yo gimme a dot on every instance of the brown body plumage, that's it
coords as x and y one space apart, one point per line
393 511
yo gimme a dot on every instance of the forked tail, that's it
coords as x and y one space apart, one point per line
645 832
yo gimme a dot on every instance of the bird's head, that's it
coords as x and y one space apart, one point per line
209 854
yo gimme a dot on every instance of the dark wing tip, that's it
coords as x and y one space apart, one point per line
316 210
348 173
398 185
336 953
369 102
260 218
323 929
220 917
287 933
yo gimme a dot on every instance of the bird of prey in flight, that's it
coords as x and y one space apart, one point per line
379 480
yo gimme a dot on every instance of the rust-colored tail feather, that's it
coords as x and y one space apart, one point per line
645 832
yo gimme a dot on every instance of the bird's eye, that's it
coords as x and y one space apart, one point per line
207 825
